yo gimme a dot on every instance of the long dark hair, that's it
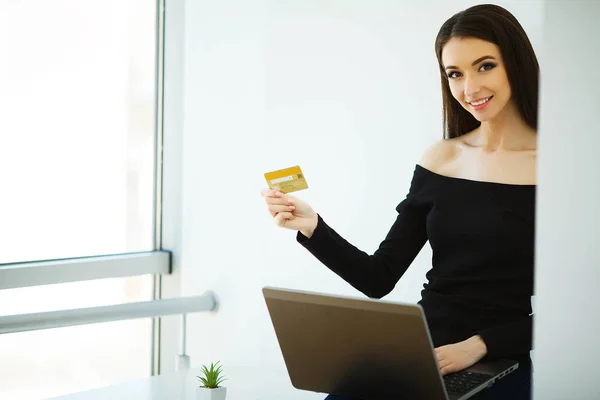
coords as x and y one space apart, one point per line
496 25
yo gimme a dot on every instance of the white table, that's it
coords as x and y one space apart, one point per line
243 383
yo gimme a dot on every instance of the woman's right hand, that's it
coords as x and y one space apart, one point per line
290 212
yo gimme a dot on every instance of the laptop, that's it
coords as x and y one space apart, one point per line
365 348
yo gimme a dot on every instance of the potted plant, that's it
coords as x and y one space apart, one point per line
210 382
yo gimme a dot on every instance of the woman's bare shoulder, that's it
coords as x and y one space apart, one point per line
439 154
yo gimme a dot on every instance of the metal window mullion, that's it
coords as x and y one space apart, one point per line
158 176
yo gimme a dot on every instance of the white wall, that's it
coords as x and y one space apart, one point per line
347 90
567 323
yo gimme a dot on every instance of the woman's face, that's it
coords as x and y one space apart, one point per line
476 76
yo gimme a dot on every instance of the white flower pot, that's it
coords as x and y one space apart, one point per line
203 393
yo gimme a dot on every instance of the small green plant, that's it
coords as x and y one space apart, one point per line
211 377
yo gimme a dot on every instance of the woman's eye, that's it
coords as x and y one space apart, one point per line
483 68
487 66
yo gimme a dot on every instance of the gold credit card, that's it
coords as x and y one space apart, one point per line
287 180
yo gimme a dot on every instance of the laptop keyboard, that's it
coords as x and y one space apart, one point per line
463 381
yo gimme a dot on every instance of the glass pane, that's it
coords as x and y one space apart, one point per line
77 127
54 362
41 364
62 296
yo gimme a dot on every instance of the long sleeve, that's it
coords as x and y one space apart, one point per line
512 338
482 241
374 275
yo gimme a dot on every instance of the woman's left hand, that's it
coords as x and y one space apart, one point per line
461 355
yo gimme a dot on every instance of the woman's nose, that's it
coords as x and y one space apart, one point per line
472 86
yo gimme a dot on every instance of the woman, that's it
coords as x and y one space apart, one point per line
472 196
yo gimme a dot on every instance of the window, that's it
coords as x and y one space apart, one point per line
54 362
78 99
78 103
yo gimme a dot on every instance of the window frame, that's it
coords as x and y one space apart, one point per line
158 262
155 262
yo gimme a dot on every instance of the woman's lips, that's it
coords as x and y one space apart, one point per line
481 106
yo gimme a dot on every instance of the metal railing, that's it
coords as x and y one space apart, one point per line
36 273
118 312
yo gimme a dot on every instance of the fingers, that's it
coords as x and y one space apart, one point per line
446 365
443 362
280 206
276 198
274 209
281 218
448 369
271 192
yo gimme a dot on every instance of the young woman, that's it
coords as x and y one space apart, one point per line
472 196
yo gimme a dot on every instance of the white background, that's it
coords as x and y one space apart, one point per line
350 91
